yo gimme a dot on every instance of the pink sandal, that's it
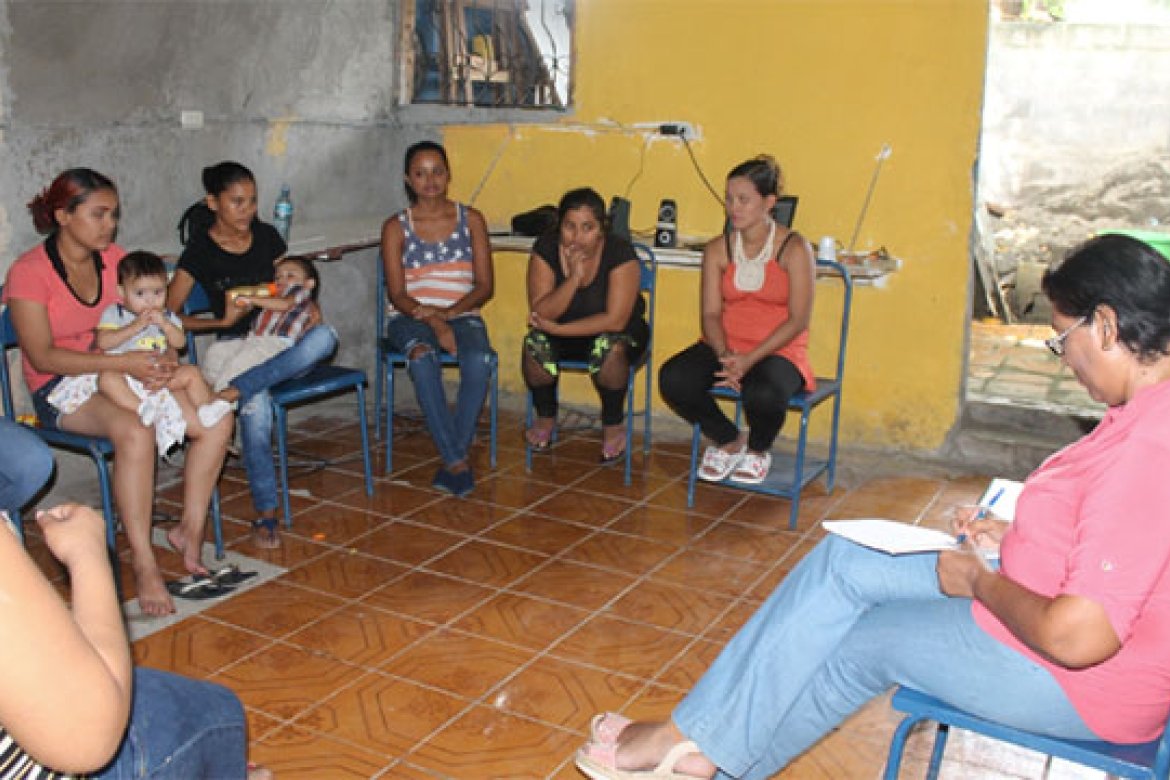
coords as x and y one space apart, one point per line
599 762
605 727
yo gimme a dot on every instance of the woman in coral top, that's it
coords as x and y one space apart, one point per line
56 293
757 290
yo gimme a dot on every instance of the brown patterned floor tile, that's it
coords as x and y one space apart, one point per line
629 648
563 693
487 563
538 533
521 620
895 498
196 647
710 500
486 743
611 482
274 609
428 596
574 583
669 606
654 702
361 635
335 524
512 491
763 545
390 498
285 681
240 505
293 753
345 573
579 507
465 516
703 571
293 551
460 664
407 543
260 725
772 512
325 483
630 554
383 714
662 524
684 672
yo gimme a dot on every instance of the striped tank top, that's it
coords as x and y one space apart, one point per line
15 764
438 273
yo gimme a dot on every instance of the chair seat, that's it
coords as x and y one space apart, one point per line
76 441
320 380
1130 761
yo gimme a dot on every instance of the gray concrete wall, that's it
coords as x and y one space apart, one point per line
1065 102
301 91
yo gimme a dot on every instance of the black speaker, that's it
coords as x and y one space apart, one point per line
666 233
619 217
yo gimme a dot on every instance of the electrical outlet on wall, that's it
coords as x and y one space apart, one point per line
683 130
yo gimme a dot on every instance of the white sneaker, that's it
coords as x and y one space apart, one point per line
210 414
717 464
753 468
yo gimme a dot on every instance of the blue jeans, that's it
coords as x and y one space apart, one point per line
180 728
846 625
452 434
25 465
256 415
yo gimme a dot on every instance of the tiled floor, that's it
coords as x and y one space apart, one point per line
421 636
1009 364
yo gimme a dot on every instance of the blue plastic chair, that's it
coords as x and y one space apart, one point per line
319 382
792 472
99 449
1148 760
648 284
389 359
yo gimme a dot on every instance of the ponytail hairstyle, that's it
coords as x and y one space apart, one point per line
68 191
763 172
198 218
411 153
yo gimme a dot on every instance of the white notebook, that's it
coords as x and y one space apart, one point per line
1001 496
891 536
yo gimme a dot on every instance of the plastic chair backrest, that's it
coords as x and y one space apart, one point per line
7 341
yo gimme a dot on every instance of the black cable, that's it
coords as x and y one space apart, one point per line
699 170
641 167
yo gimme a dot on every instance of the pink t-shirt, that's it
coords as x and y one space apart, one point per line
1094 521
72 322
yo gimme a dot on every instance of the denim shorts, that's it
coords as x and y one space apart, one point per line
47 414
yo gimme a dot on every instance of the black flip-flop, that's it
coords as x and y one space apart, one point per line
231 575
199 588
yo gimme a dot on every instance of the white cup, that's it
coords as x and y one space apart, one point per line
827 249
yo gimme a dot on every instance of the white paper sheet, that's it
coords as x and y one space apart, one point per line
1000 497
891 536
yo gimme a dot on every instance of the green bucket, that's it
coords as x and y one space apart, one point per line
1159 241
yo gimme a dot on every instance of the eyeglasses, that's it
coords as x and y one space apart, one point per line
1056 343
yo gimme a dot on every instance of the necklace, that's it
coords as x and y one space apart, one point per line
750 271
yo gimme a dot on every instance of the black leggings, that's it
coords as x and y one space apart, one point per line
609 367
686 379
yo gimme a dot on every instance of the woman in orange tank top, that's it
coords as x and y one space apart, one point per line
757 296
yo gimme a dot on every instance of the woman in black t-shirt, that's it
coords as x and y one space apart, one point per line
229 247
584 305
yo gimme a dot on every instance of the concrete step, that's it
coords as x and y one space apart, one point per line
1011 441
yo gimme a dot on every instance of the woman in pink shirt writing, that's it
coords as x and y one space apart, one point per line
1067 637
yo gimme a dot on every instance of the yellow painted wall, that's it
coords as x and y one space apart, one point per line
821 85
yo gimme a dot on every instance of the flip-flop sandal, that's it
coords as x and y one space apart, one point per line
231 575
598 762
615 450
538 439
198 589
606 726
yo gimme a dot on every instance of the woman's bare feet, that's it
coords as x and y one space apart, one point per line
153 598
190 546
265 533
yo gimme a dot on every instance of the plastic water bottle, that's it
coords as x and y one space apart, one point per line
283 213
